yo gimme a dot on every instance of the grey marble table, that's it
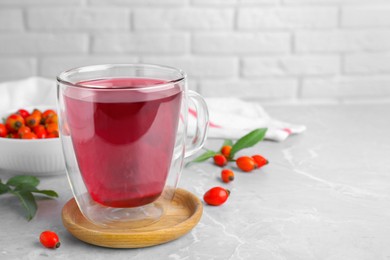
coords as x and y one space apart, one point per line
324 195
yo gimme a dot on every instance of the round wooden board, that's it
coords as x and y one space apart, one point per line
180 216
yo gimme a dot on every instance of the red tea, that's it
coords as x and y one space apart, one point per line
123 132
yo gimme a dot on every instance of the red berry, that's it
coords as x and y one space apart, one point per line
14 135
40 131
30 135
216 196
23 130
48 113
24 113
259 160
3 131
14 122
227 175
49 239
52 128
53 119
37 112
225 150
246 163
52 135
220 160
33 120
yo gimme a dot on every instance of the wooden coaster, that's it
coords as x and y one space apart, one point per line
180 216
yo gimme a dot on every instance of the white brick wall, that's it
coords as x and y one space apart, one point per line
217 2
11 20
78 19
366 17
183 19
343 41
262 89
302 65
201 67
241 43
23 3
15 67
141 43
287 17
367 63
43 43
284 51
131 3
53 65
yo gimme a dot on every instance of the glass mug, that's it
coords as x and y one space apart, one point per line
123 129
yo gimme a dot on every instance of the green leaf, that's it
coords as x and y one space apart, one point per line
3 188
25 187
28 187
28 202
248 140
50 193
227 142
23 179
203 157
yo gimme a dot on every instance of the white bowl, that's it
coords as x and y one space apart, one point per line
38 157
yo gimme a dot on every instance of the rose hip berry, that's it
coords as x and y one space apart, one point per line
246 163
36 112
23 112
23 130
225 150
3 131
14 122
259 160
51 135
37 115
53 119
220 160
49 239
33 120
13 135
216 196
30 135
48 113
40 131
227 175
52 128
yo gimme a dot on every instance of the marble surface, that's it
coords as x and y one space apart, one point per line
324 195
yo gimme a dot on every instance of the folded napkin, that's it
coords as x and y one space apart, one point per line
232 118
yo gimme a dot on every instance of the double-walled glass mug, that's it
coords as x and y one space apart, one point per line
123 129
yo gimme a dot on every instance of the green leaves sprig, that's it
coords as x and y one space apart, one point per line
23 187
248 140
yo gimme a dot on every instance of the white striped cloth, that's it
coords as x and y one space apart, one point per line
232 118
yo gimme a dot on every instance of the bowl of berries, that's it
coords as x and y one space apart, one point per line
29 141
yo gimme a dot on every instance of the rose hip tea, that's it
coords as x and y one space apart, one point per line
123 140
123 130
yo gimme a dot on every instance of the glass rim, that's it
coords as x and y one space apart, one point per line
61 77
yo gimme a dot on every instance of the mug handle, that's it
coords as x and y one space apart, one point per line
202 123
